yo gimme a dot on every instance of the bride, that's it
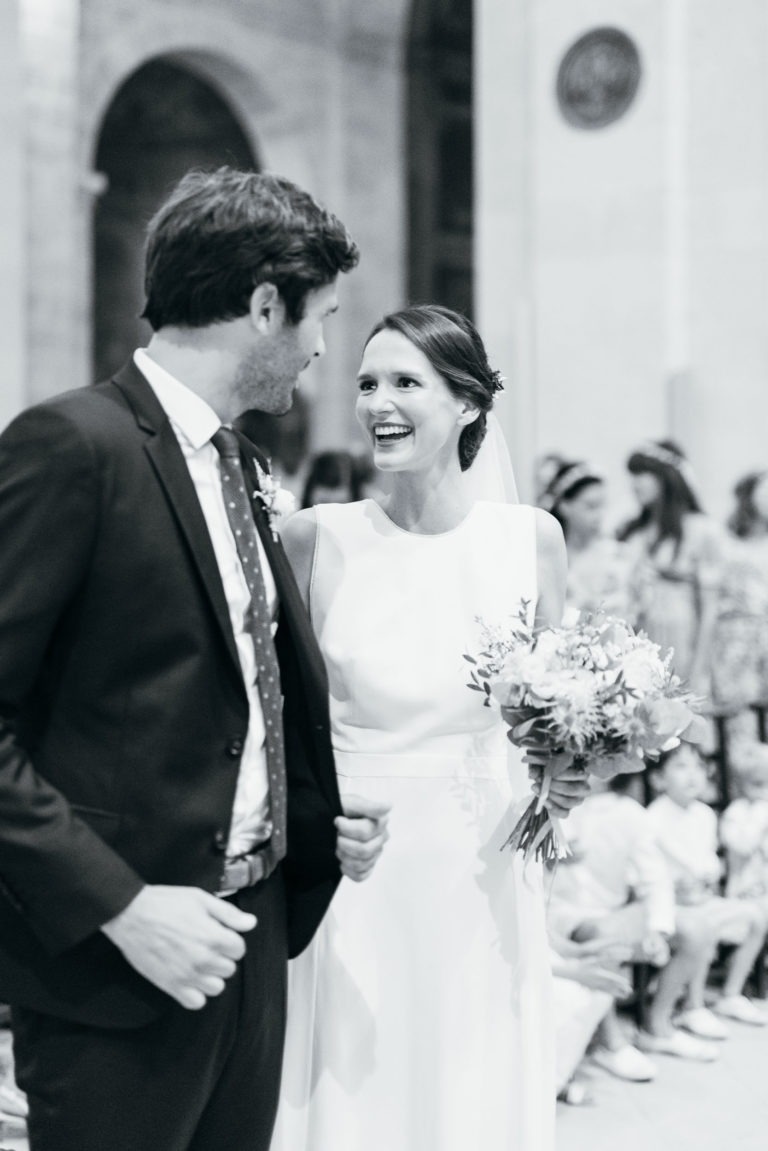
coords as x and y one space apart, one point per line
419 1019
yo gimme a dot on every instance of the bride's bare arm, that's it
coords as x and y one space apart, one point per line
298 535
551 568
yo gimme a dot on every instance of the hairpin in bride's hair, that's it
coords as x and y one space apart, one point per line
496 380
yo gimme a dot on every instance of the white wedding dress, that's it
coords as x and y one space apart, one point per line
419 1018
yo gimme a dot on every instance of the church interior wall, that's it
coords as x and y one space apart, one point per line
646 244
621 273
318 89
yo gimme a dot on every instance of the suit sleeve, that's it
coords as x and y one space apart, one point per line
58 873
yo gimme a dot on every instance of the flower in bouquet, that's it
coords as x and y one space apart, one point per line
594 690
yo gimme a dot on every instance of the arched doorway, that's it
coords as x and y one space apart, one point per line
440 153
162 121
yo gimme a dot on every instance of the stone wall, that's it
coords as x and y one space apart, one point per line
622 272
12 234
317 88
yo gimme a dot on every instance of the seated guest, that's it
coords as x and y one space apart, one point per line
616 888
587 980
744 825
686 832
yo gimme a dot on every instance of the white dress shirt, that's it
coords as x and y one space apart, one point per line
615 856
687 837
194 422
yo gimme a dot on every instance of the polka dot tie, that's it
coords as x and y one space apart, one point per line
258 624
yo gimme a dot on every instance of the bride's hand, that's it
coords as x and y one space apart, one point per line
362 833
569 785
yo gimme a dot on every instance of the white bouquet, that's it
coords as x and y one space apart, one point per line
596 690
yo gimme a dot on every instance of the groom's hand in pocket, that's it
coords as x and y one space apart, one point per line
361 835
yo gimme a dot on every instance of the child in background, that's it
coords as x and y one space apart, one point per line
686 832
587 980
616 887
744 826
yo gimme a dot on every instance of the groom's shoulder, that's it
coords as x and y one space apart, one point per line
78 412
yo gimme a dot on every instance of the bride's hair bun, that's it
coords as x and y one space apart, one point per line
453 346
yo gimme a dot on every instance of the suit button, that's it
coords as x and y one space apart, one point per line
221 840
234 748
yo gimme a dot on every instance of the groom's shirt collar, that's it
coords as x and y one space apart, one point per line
192 418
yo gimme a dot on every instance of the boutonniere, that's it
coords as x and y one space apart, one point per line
278 502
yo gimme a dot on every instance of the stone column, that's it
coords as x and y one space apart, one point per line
503 217
58 241
12 261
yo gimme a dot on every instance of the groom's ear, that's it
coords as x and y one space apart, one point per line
267 309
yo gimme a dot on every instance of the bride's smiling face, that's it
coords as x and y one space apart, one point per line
409 414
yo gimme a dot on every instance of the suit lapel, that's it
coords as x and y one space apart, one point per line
291 604
168 461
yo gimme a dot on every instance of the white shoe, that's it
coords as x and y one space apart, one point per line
625 1063
700 1021
742 1009
678 1043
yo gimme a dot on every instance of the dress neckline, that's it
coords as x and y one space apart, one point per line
425 535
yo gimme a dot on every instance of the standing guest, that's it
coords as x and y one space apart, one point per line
749 518
544 468
677 555
598 567
740 643
147 905
331 479
686 832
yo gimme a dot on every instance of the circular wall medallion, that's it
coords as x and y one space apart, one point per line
598 78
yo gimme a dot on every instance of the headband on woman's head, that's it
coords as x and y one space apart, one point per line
573 474
670 459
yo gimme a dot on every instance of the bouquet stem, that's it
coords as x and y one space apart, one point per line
538 834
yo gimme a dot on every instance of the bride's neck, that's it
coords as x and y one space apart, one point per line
427 502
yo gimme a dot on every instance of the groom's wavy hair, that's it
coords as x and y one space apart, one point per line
455 350
221 233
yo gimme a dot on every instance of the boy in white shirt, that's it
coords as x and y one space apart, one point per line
744 826
687 834
615 888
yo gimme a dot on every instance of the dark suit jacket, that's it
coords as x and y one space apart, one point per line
122 705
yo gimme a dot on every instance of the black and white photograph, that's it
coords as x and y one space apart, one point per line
384 575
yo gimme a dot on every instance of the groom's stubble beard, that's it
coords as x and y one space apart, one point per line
265 382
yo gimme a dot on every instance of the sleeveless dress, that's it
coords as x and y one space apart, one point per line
419 1017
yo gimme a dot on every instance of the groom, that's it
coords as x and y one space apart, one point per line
165 840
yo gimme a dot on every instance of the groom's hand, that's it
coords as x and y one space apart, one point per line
362 833
184 940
